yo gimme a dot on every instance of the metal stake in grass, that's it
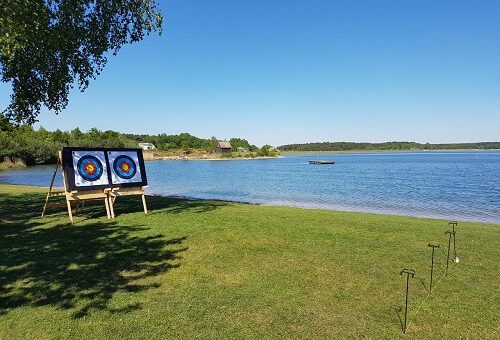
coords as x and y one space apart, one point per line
449 244
453 224
433 246
408 272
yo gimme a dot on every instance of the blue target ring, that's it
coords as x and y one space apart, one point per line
89 168
124 167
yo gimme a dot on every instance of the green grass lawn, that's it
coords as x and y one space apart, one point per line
223 270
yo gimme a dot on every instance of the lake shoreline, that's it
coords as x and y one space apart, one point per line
189 198
453 185
208 200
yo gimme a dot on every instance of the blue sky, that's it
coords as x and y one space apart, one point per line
301 71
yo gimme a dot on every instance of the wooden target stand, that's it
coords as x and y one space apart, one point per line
114 193
109 195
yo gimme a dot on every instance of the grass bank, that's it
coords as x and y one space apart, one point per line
11 164
156 155
225 270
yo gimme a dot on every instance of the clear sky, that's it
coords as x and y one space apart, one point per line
290 71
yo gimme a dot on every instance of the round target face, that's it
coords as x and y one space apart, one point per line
89 168
124 167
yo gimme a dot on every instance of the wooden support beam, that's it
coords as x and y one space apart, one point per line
57 194
144 203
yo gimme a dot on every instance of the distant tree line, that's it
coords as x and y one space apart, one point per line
40 146
185 141
347 146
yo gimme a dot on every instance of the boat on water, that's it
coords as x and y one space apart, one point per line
321 162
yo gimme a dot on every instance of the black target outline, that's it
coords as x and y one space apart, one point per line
130 160
84 176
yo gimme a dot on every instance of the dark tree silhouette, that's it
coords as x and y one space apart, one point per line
48 46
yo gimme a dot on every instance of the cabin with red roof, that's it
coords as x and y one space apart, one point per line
223 147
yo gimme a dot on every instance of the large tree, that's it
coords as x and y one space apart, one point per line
49 46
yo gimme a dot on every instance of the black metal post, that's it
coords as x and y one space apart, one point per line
408 272
453 224
449 244
433 246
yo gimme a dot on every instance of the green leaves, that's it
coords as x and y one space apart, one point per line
49 46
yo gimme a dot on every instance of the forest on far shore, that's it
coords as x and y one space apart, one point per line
351 146
25 145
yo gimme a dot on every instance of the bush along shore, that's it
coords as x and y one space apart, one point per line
25 145
154 155
387 146
212 269
12 163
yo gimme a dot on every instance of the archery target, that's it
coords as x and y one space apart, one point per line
125 167
90 168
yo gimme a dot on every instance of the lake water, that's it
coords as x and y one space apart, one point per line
448 185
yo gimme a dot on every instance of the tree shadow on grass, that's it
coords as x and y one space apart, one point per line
80 267
76 267
22 207
171 205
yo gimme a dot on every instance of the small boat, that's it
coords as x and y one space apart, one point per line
321 162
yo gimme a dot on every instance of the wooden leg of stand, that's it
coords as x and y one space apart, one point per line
111 208
144 203
70 213
46 202
106 203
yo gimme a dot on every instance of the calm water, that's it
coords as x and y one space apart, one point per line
449 185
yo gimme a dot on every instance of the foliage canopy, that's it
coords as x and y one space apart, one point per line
40 146
49 46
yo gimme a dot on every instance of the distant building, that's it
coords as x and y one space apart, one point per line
223 146
240 149
147 146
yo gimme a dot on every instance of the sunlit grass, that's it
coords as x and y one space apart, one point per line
223 270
